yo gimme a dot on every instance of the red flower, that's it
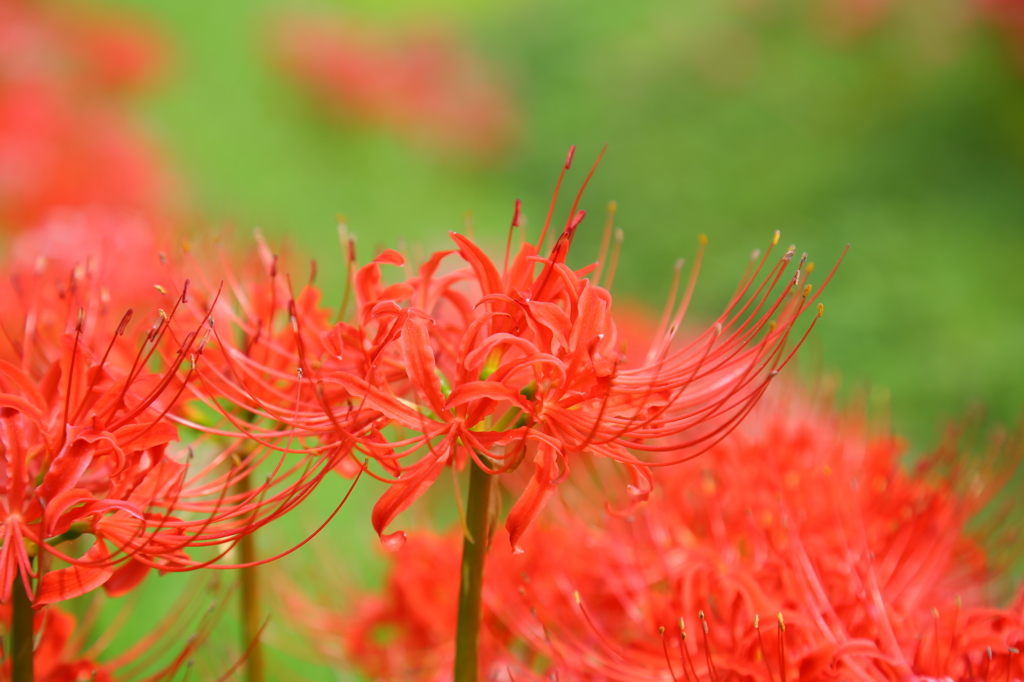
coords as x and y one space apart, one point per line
504 364
62 143
421 84
799 512
88 412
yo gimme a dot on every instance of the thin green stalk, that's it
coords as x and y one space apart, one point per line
22 637
467 635
249 603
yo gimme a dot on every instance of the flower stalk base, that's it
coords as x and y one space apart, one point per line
22 638
474 551
249 601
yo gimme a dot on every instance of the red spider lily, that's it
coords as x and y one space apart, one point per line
61 144
799 512
87 417
84 439
500 364
421 84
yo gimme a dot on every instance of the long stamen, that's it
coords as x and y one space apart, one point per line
687 660
668 659
707 647
760 646
511 231
554 198
782 647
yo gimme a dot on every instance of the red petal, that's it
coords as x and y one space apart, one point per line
489 390
60 504
391 257
68 466
419 360
397 499
486 273
592 318
531 502
71 582
144 436
126 578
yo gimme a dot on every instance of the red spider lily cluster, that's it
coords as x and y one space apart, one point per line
858 568
57 123
422 84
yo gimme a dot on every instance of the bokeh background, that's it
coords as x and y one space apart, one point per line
894 126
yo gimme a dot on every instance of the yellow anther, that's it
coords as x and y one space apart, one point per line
782 623
757 622
613 206
810 268
577 597
702 239
821 309
775 239
807 291
160 288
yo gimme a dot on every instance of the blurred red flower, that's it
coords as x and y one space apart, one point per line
420 83
62 141
800 512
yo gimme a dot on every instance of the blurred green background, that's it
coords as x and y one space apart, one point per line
732 118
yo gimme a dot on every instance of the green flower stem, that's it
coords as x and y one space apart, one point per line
22 637
249 603
467 635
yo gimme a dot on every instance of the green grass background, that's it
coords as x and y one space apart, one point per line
731 118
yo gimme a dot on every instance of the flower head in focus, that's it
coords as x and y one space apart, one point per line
511 361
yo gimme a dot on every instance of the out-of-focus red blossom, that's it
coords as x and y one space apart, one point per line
122 250
421 83
1009 16
119 51
62 142
798 512
857 17
506 362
